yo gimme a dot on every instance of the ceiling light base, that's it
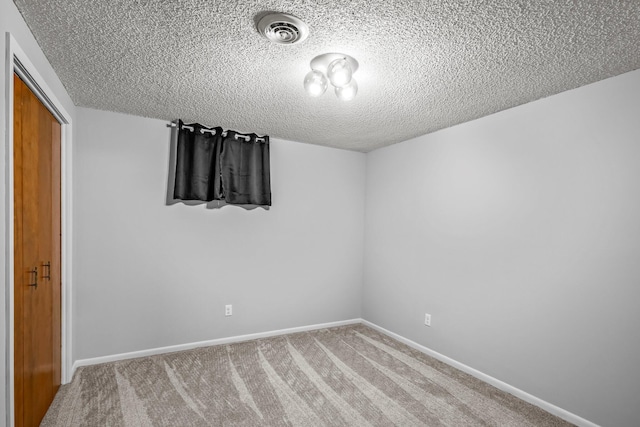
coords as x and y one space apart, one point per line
321 62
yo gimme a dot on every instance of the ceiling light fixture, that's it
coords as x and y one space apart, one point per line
334 68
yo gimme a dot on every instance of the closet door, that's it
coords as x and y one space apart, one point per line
37 283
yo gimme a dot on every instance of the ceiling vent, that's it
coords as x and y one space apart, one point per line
281 28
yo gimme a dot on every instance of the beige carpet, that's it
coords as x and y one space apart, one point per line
344 376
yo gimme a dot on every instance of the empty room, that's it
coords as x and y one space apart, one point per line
320 213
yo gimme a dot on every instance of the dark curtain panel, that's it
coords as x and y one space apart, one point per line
198 164
245 168
234 167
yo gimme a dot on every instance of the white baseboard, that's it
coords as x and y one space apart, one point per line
549 407
565 415
218 341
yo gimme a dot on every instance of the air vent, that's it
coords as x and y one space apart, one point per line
281 28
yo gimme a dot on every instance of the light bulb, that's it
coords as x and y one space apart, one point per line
315 83
348 92
339 72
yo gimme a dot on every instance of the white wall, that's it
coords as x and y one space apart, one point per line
11 21
149 275
520 234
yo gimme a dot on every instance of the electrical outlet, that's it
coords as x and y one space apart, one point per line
228 310
427 319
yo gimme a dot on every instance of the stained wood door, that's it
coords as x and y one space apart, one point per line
37 284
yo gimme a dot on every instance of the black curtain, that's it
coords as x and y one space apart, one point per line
245 169
198 163
221 165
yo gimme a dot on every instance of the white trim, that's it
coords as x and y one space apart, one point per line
549 407
552 409
17 61
227 340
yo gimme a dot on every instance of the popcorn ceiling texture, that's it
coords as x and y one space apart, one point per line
424 65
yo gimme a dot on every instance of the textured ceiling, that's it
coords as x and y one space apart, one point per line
424 65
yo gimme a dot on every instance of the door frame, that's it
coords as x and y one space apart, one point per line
18 62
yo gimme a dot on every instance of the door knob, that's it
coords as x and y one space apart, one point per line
47 275
34 277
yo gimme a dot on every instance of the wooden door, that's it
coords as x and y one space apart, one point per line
37 284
